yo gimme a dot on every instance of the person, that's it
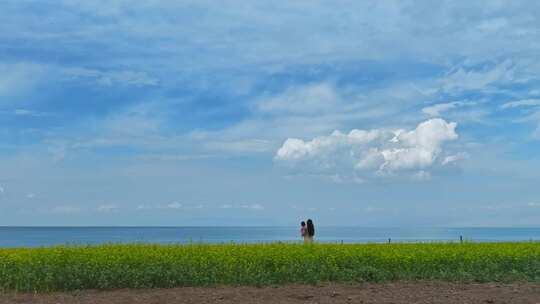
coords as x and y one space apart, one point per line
303 231
310 230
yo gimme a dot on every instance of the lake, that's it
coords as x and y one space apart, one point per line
50 236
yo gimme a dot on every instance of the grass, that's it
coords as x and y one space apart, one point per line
148 266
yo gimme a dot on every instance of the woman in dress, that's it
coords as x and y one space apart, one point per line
310 231
303 231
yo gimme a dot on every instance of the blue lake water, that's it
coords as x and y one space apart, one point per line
50 236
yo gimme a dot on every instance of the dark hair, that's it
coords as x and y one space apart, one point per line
302 223
310 228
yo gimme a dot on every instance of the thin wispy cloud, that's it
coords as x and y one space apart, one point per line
521 103
243 206
65 209
438 110
109 78
108 208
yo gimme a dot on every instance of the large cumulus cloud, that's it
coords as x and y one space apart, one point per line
363 153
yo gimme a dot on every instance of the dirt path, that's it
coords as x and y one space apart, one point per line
426 292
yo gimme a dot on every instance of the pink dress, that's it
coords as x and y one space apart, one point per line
304 234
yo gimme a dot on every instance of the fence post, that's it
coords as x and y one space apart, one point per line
389 240
461 239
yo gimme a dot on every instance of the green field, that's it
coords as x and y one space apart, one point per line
147 266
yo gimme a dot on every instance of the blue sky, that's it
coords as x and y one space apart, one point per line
369 113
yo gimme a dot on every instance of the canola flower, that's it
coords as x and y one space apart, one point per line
148 266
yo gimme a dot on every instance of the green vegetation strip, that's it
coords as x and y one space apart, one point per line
147 266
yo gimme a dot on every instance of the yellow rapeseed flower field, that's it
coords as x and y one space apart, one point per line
147 266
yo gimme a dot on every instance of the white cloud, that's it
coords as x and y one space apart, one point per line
175 205
109 78
17 78
22 112
477 79
296 32
536 132
493 25
177 157
170 206
533 116
57 151
134 122
107 208
143 207
252 206
377 151
438 109
137 126
521 103
25 112
454 158
243 206
307 99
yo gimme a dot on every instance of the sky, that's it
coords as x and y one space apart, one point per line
237 113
